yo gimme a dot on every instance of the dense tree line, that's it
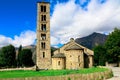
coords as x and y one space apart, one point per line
24 57
9 58
110 51
99 55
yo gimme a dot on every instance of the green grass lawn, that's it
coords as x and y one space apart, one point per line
22 73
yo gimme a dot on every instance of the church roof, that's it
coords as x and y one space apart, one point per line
59 55
87 53
73 47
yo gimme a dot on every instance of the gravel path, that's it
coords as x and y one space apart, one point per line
116 73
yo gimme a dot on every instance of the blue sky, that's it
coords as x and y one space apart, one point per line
69 18
17 16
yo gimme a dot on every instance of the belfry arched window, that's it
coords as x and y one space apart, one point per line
43 8
43 45
43 36
43 27
43 17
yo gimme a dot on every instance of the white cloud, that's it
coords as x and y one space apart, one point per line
4 40
54 41
25 38
70 20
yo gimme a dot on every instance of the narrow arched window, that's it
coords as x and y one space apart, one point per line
59 63
78 58
44 17
43 27
43 45
42 8
43 54
43 36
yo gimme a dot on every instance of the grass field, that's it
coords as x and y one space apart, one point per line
22 73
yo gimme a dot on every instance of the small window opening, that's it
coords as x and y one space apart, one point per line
42 8
43 17
43 45
43 36
59 63
78 58
43 54
43 27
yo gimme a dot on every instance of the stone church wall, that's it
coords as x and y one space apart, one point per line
74 59
58 63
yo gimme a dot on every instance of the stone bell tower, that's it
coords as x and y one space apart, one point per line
43 50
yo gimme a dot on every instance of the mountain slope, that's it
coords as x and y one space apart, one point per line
92 40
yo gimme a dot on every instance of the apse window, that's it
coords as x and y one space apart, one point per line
59 63
78 58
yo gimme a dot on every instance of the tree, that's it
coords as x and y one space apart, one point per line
18 56
99 55
2 62
7 56
52 50
112 46
25 58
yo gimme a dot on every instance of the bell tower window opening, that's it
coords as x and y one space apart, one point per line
43 17
43 8
43 54
43 45
43 36
43 27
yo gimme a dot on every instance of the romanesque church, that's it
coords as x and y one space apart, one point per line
70 56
